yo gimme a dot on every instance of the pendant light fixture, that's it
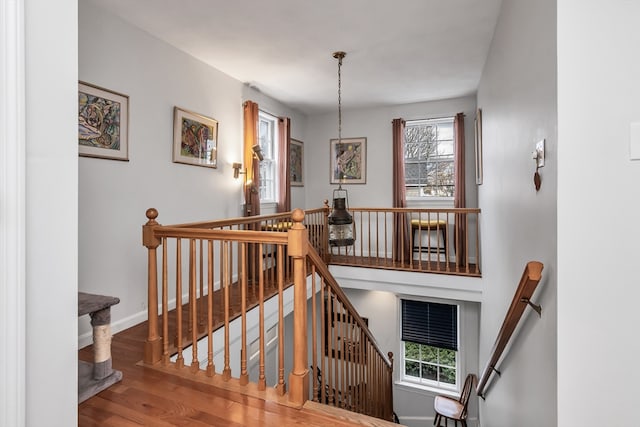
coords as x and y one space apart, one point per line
340 220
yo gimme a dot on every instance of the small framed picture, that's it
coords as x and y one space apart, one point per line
195 139
348 160
296 162
103 123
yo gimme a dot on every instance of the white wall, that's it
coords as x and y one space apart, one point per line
51 217
517 95
375 125
598 94
114 195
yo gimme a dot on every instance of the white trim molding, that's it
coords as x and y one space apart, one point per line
12 214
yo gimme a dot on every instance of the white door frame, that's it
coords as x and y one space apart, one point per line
12 214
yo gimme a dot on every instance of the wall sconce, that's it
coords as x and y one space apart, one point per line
257 151
236 170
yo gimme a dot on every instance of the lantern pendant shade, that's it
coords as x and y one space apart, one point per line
340 221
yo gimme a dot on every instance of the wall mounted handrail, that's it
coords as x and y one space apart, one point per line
530 278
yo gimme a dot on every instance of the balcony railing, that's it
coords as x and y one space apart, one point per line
427 240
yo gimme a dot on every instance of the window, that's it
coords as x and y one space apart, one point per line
430 344
428 158
267 128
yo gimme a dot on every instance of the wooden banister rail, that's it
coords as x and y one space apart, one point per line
530 278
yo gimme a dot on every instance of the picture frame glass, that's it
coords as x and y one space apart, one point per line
103 123
348 161
296 163
195 139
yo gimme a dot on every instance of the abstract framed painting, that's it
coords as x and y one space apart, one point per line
195 139
348 161
103 123
296 163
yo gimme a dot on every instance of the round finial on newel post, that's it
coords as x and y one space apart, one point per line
297 215
152 214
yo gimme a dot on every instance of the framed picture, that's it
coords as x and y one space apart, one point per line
195 139
478 144
103 123
296 160
348 161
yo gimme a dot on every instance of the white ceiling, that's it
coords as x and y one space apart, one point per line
398 52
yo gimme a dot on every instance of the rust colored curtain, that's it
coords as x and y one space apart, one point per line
459 194
284 180
252 184
401 237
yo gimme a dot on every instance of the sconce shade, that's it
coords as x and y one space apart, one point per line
257 150
236 169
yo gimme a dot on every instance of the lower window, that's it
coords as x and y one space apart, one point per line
430 344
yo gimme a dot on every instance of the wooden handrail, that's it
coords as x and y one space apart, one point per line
530 278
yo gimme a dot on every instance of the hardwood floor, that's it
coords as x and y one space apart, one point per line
149 397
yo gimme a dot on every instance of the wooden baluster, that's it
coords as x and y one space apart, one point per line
180 358
280 387
226 371
325 232
335 380
466 242
343 354
201 300
389 388
165 304
323 339
153 343
211 369
352 378
369 237
193 322
244 375
314 335
298 247
262 382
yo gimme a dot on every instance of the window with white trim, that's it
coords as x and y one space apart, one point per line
430 350
429 158
268 140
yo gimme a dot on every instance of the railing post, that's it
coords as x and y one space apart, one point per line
298 248
152 346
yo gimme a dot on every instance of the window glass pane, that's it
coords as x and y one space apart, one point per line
445 148
412 369
429 354
447 357
445 130
412 350
429 372
447 375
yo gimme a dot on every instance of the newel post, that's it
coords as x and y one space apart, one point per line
297 248
152 346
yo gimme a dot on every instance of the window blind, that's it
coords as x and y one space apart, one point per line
430 323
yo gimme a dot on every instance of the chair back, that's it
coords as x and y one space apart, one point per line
466 393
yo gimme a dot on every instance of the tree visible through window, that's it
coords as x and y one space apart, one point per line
429 158
267 125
